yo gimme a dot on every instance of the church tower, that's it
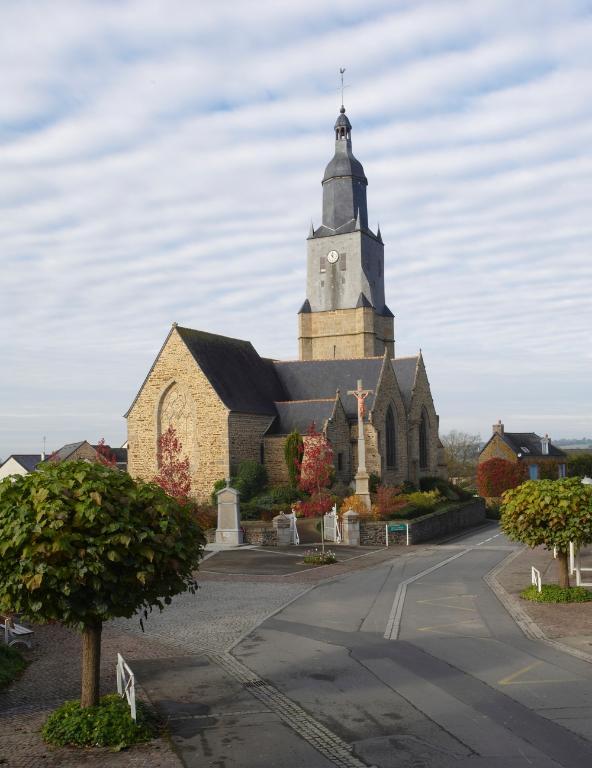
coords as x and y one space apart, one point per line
344 314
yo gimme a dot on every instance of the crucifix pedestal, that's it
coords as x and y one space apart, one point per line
362 477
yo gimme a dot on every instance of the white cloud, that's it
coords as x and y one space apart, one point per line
161 161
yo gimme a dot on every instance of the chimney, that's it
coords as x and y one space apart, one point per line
545 444
498 429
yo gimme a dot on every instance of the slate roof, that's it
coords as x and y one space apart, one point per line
245 382
320 379
299 414
67 450
405 371
518 441
27 460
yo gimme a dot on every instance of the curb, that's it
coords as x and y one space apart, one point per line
528 626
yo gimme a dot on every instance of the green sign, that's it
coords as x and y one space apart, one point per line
394 527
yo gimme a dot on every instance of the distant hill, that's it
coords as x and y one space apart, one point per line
580 444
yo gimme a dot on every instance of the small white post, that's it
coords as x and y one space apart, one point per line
386 533
535 578
407 526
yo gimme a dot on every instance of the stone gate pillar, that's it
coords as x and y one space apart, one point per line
350 528
283 529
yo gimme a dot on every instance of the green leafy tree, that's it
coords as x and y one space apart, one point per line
550 513
292 454
579 464
82 544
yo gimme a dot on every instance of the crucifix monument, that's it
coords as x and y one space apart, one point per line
362 477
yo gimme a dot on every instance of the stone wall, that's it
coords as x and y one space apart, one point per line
274 461
259 533
338 433
198 413
425 528
245 433
422 402
388 394
497 449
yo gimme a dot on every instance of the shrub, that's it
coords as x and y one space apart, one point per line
251 479
218 485
318 504
553 593
389 501
107 725
293 448
316 557
495 476
579 465
354 503
11 664
373 482
425 501
206 516
408 487
446 489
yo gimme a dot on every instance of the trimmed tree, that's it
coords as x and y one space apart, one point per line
81 544
292 454
495 476
550 513
315 467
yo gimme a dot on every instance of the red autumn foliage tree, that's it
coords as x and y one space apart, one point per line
315 467
389 501
495 476
104 455
173 475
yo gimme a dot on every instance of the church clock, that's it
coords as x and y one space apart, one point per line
332 257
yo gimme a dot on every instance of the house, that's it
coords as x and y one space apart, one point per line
541 457
20 464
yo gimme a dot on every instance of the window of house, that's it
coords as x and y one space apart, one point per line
562 472
339 462
533 471
391 439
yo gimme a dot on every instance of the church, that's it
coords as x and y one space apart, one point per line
228 404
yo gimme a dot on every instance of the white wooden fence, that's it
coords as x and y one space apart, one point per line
293 528
126 684
332 527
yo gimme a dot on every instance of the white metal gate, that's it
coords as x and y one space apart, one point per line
332 527
294 537
575 565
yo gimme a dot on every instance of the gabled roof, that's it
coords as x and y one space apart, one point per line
519 441
27 461
320 379
245 382
406 372
299 414
67 450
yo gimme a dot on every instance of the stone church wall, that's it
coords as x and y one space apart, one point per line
388 394
338 434
422 401
245 434
197 412
343 333
275 464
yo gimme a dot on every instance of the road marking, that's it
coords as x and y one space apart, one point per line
437 627
512 679
394 621
434 600
486 540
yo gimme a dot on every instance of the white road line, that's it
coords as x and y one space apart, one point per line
394 620
486 540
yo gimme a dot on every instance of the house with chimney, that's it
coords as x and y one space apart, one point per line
541 457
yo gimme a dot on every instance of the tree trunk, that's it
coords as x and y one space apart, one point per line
563 567
91 664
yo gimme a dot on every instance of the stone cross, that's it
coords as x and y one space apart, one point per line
362 477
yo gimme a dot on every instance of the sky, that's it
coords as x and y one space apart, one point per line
160 162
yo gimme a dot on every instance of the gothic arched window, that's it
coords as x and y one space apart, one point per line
423 441
391 439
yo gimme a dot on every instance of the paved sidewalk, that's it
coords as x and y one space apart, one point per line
570 623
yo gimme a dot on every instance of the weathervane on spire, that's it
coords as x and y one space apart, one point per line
341 71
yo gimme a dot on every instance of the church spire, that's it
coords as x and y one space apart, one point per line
344 183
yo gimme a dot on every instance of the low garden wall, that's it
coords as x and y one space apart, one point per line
431 526
255 532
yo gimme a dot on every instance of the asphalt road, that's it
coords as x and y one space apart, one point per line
415 663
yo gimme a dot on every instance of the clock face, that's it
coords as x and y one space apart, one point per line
332 257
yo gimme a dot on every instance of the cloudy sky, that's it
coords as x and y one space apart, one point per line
161 161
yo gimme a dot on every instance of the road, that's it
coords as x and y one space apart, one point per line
413 663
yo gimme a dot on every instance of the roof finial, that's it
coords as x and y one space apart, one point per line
341 71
